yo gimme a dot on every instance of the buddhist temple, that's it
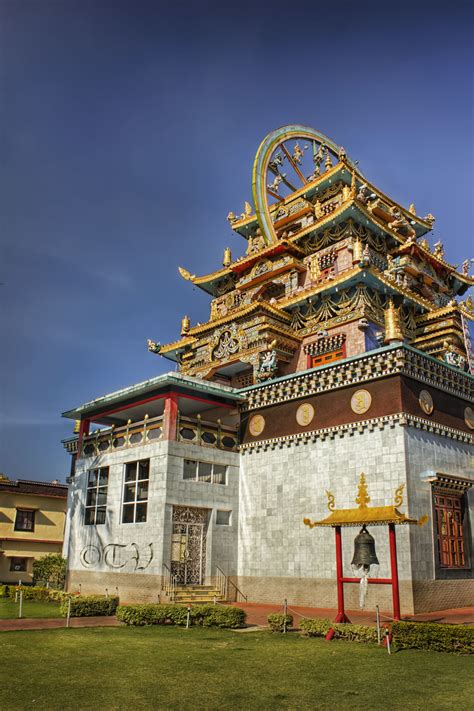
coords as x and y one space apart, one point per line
338 341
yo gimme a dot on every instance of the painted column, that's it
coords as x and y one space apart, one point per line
83 432
341 615
170 417
394 569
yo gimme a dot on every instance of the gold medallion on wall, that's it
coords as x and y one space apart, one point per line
256 425
361 401
469 417
426 402
305 414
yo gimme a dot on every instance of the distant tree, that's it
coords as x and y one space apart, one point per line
50 569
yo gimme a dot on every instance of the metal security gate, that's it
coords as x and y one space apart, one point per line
188 545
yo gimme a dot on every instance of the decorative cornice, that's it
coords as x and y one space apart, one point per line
380 423
391 360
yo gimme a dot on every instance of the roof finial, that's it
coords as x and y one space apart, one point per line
362 497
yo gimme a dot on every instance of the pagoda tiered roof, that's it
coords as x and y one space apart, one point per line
333 251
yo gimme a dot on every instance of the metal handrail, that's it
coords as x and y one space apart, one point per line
168 583
223 582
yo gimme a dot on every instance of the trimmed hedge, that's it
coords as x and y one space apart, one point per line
345 630
276 622
30 592
457 639
204 615
89 606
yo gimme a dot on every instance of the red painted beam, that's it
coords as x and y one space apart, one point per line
372 581
157 397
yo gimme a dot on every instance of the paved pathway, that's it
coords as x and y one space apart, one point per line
256 615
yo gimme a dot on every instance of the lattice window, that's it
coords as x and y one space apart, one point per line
135 492
449 529
96 496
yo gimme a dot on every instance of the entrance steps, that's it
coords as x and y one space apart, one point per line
197 594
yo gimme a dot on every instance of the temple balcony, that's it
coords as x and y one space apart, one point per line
192 430
170 407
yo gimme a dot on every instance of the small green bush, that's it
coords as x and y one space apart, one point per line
277 621
30 592
204 615
89 606
315 628
347 631
457 639
355 633
218 616
59 595
50 568
4 591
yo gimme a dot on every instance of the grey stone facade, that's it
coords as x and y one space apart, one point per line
128 556
266 549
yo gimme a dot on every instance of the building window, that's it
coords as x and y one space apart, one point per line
135 491
18 565
204 472
25 520
449 529
96 496
223 518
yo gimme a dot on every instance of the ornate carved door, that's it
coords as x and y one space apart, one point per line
188 545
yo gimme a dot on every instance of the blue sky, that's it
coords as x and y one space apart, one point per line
128 133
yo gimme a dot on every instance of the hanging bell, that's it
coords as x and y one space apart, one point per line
364 551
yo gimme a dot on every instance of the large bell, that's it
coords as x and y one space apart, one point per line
364 551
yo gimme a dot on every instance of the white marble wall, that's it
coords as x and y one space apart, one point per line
166 488
282 486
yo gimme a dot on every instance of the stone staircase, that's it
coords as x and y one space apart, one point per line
197 594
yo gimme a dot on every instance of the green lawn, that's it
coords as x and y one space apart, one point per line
174 668
31 608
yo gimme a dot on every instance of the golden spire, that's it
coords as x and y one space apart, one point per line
362 497
328 161
412 209
227 257
248 208
393 330
185 325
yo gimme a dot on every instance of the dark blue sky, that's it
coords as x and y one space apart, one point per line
128 132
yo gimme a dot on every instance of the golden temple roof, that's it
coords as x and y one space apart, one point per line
365 514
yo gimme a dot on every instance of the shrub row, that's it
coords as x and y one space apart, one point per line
352 633
204 615
89 606
277 622
458 639
4 589
30 592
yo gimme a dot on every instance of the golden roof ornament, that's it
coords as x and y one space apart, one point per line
185 274
227 259
232 217
365 514
185 325
247 208
393 330
412 209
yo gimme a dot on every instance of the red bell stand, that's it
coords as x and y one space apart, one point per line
393 581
